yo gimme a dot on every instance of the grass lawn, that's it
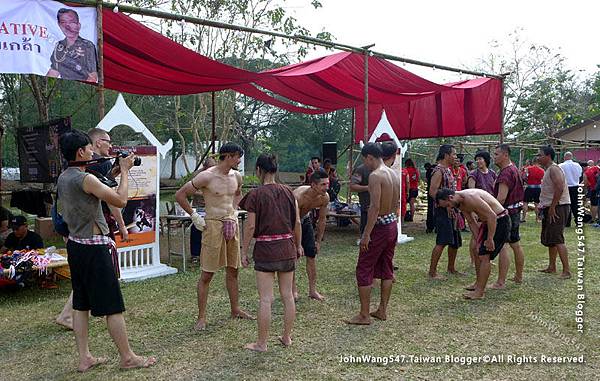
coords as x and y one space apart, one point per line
425 318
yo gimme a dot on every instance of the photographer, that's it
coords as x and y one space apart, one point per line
101 144
95 284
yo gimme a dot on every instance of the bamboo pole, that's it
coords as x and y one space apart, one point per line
101 103
366 101
213 133
351 156
502 111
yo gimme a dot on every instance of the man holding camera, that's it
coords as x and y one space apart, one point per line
95 284
101 145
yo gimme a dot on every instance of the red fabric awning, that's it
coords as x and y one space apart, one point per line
141 61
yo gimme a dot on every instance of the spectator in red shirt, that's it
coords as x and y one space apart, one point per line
590 176
413 187
460 174
314 165
532 175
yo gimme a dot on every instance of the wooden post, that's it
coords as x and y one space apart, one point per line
101 104
350 157
213 134
502 111
366 121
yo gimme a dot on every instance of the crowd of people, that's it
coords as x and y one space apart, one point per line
280 222
495 204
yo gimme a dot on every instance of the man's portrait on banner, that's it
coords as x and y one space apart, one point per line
74 57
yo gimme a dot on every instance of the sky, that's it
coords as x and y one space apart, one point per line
456 33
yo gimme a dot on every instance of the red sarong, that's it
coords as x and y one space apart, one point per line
376 262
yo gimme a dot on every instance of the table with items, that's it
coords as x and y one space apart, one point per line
18 265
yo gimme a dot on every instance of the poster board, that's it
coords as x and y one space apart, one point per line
48 38
140 212
40 160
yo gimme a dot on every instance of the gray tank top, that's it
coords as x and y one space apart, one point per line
547 192
80 210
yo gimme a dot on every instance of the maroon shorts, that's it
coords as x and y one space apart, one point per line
376 262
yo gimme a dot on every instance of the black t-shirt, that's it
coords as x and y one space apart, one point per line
102 168
360 176
31 241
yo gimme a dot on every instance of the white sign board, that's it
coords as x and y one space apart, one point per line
48 38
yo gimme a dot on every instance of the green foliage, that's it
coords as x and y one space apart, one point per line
251 180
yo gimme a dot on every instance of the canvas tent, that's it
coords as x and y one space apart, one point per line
141 61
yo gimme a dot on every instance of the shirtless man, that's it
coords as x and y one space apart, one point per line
310 197
491 230
221 186
378 241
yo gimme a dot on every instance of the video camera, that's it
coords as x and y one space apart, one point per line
137 161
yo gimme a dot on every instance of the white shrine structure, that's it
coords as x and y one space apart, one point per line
384 127
142 261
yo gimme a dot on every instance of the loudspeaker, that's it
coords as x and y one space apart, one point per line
330 152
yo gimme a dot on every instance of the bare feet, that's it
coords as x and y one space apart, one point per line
564 275
286 342
471 287
91 362
517 280
359 320
139 362
377 314
241 314
65 322
200 325
256 347
316 296
548 270
436 277
497 286
472 296
456 273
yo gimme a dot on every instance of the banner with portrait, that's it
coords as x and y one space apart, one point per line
40 160
48 38
140 214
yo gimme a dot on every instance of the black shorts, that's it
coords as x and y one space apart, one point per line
593 196
413 193
308 238
445 229
276 266
364 215
515 223
500 237
95 285
532 195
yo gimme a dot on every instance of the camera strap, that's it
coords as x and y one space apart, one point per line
85 163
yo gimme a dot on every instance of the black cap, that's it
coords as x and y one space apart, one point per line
18 221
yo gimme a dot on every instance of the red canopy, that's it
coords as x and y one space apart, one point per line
141 61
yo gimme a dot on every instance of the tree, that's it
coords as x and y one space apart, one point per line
241 49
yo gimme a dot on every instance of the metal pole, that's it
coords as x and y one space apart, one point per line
213 135
305 39
101 104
